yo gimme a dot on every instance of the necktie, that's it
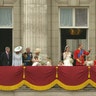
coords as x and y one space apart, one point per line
8 56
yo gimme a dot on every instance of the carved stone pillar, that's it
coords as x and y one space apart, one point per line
34 24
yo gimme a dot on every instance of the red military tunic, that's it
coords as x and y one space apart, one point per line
79 55
94 62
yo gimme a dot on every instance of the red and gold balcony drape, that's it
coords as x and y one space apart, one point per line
11 78
45 77
40 78
72 78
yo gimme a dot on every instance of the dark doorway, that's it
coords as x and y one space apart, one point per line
5 39
63 44
71 34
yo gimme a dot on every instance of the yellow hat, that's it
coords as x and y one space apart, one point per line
37 50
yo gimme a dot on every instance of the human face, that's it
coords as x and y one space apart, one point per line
8 50
81 46
28 50
67 49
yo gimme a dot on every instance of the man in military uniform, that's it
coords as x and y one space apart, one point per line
27 57
79 55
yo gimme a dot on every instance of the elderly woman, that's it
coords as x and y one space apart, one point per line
38 57
17 56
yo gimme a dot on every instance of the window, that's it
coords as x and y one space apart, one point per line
81 17
5 17
66 17
73 17
73 24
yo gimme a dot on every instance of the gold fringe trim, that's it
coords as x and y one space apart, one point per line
40 88
77 87
13 87
46 87
92 83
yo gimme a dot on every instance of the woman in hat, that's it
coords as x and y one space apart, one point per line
37 54
67 57
17 56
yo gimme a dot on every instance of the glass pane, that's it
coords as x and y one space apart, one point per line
66 17
81 17
6 17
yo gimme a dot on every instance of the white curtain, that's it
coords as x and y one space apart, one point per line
81 17
66 17
73 43
6 17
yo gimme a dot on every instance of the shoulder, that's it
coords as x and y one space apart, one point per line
30 52
24 53
77 50
3 53
64 52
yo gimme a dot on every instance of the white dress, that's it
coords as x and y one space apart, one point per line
36 64
48 63
89 63
67 59
17 59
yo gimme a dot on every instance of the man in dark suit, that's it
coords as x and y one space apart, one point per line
27 57
6 57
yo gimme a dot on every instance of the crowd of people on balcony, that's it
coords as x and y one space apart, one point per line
35 59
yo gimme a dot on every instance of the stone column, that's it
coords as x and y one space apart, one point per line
92 27
55 33
34 24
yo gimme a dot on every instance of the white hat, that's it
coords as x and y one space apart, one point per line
18 48
37 50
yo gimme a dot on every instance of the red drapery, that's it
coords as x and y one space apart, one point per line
45 77
10 75
41 75
73 75
93 73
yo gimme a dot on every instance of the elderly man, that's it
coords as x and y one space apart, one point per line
6 57
27 57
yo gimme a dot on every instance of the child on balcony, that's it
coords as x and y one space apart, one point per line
89 62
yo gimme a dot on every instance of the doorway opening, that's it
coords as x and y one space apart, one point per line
5 39
71 34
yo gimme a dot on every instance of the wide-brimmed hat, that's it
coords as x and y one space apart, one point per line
18 48
37 50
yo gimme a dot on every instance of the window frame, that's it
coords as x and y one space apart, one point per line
5 27
73 11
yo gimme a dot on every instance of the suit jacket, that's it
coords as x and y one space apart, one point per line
5 61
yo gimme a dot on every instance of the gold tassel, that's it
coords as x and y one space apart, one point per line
24 72
56 71
89 72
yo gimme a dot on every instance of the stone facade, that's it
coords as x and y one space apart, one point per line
88 43
36 24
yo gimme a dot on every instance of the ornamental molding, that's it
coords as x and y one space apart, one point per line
7 2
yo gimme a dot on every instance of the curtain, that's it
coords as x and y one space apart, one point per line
6 17
65 17
81 17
